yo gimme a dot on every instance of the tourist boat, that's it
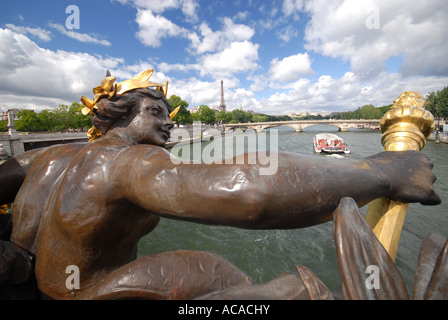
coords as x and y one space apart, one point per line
330 143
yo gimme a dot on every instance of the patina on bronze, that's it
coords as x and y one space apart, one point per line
88 205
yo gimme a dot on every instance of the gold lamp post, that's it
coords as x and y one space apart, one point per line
404 127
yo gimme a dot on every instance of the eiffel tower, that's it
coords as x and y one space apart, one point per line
222 106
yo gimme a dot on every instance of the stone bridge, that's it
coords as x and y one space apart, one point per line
299 125
16 143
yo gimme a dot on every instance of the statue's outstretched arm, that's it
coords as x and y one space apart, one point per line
304 191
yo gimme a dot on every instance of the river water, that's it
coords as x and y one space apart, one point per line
263 255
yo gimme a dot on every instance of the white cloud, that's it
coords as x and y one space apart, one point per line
82 37
42 34
213 41
198 92
41 77
346 93
290 68
291 7
189 10
153 28
287 33
237 57
188 7
416 32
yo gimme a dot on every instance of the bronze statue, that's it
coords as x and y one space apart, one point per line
88 205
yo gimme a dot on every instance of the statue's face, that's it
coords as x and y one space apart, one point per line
151 123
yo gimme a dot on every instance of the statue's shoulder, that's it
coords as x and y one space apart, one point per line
55 154
147 150
140 155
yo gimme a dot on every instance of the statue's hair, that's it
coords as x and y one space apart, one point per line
116 108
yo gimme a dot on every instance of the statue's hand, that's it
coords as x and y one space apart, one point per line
411 176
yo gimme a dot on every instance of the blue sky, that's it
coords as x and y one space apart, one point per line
275 57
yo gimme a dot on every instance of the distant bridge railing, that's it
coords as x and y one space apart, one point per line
17 143
299 125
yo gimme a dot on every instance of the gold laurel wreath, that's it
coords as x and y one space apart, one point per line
109 89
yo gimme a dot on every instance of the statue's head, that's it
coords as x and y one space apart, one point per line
116 104
144 115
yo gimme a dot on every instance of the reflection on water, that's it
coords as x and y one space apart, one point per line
263 255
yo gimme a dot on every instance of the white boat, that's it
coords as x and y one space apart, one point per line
330 143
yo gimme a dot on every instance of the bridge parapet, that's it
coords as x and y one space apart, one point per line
16 144
299 125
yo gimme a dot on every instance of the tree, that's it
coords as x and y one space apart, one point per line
60 117
205 115
366 112
438 103
75 118
183 116
48 120
239 116
176 101
3 126
224 117
259 118
28 121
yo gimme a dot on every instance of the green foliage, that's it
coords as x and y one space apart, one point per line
260 118
176 101
366 112
62 118
224 117
3 126
438 103
240 116
28 121
204 115
183 116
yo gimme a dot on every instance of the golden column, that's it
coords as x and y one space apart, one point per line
404 127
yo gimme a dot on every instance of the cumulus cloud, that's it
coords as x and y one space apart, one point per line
213 41
292 7
217 53
40 33
188 7
290 68
237 57
221 53
82 37
347 29
345 93
153 28
43 77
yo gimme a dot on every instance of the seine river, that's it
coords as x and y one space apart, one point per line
263 255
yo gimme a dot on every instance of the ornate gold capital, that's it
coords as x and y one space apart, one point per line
407 125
